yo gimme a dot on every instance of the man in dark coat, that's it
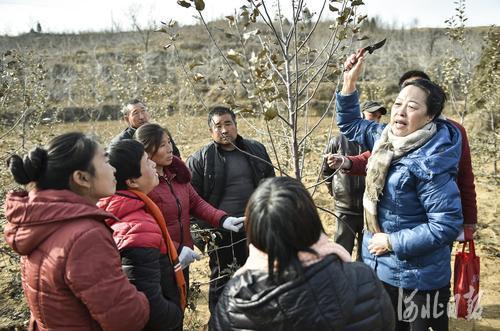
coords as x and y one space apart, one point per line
346 190
225 174
136 114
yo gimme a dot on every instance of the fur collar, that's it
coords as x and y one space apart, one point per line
177 171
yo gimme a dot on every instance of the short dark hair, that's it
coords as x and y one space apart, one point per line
51 167
150 135
281 220
219 110
134 101
436 97
125 156
410 74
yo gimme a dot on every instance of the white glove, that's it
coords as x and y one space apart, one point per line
187 256
233 223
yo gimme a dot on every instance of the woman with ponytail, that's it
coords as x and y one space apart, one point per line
149 257
71 271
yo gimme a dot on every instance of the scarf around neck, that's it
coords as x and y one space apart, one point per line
388 150
155 211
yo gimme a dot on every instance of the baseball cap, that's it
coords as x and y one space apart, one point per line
373 106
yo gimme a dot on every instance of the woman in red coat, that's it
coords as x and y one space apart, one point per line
147 257
71 270
176 197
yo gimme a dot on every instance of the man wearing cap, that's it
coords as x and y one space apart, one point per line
136 114
347 191
373 110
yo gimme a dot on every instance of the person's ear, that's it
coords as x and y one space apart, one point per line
132 183
81 178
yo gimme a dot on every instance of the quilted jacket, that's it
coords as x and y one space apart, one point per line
71 270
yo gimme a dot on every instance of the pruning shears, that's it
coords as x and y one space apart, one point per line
370 49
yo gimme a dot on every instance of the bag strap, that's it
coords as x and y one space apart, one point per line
472 248
154 211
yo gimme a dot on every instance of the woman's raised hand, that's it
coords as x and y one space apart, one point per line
352 70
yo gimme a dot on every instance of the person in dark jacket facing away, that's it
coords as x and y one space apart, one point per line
294 278
71 272
346 190
135 113
225 173
143 249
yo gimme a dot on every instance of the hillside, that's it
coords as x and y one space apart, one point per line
92 74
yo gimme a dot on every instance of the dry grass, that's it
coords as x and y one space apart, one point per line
191 133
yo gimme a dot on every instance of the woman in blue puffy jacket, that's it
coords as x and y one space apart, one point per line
411 201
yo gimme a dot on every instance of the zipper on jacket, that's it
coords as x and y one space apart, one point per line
179 211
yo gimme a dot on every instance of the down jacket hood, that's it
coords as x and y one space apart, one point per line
438 155
33 217
121 204
135 227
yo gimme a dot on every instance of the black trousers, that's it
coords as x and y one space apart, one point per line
419 310
230 254
349 229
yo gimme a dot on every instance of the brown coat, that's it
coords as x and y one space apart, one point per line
71 268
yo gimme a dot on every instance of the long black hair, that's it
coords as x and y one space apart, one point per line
51 167
281 220
125 156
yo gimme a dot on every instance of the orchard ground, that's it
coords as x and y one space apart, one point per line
191 133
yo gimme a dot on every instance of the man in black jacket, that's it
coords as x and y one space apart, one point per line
225 173
346 190
136 114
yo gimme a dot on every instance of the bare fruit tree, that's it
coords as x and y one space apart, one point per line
285 54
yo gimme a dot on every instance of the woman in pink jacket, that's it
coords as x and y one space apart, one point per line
71 270
176 197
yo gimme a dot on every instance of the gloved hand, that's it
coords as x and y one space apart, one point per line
233 223
187 256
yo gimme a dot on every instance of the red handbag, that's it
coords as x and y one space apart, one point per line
466 282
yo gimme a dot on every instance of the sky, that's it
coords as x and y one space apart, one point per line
57 16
